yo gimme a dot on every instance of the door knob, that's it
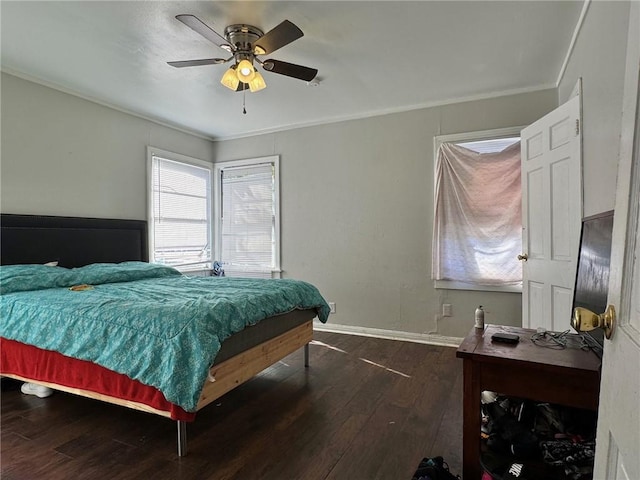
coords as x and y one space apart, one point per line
584 320
524 257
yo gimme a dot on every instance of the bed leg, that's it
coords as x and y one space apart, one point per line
306 355
182 438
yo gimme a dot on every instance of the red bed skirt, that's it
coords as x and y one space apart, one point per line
48 366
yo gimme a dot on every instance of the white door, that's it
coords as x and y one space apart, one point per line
551 216
618 438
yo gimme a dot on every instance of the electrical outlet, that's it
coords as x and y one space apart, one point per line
332 307
446 310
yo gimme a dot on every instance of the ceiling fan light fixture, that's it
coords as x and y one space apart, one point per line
257 83
230 79
245 71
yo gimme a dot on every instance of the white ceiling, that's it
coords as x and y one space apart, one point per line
373 57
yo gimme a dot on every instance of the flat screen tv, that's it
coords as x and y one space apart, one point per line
592 276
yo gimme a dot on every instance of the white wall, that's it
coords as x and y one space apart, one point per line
599 58
62 155
357 212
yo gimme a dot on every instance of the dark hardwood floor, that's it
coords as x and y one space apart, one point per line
365 409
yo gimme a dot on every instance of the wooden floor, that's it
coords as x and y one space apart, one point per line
365 409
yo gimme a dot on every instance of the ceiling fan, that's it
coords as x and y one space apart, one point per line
245 43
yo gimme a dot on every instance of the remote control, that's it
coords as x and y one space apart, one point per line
505 338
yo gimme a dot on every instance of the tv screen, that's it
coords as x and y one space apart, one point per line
592 276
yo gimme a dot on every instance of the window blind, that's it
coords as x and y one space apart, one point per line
493 145
181 214
248 220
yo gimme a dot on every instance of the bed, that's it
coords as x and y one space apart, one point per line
169 361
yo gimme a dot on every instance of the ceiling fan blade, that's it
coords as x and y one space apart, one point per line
203 29
277 37
290 69
196 63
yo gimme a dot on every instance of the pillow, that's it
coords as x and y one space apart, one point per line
22 278
99 273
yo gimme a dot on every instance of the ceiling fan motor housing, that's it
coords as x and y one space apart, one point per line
242 39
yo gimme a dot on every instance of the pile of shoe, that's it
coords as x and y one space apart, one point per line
434 468
527 431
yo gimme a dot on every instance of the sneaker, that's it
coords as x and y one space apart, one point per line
37 390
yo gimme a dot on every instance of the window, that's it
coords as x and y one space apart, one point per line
179 210
477 232
247 217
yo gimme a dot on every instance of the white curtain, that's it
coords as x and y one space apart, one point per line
477 233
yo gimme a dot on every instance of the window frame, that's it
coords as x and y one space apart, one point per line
274 160
462 138
184 159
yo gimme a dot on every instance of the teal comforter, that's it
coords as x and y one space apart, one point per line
144 320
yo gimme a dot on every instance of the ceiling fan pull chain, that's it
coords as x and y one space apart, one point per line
244 97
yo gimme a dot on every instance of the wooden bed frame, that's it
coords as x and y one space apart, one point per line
75 242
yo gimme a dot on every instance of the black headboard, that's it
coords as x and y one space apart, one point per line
71 241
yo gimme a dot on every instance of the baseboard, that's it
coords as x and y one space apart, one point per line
427 338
